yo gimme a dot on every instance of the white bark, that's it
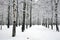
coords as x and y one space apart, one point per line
14 20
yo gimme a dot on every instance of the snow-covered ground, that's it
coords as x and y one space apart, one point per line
36 32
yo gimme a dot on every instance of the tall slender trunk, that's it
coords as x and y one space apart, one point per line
24 8
57 29
46 22
31 14
2 21
14 19
8 14
52 14
56 15
43 21
27 15
17 14
51 23
38 19
19 22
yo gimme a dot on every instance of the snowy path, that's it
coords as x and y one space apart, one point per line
36 32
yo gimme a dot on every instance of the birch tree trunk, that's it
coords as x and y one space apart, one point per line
27 15
46 22
17 14
31 14
56 15
8 14
24 8
14 18
19 22
43 21
52 14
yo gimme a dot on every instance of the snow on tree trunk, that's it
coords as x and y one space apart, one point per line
24 8
14 18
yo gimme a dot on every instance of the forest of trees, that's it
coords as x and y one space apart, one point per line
27 16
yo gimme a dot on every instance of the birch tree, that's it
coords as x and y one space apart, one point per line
46 22
52 14
14 18
1 15
8 14
56 15
27 15
17 14
31 14
19 22
24 8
